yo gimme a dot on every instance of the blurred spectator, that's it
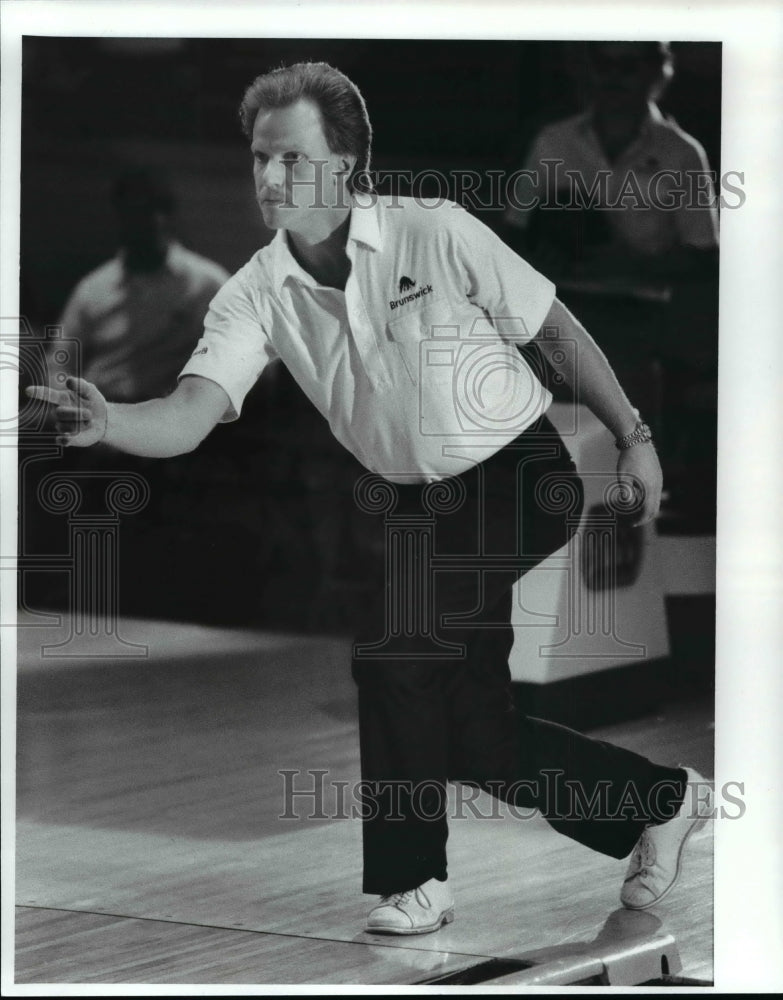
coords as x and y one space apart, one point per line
139 315
619 209
652 213
138 318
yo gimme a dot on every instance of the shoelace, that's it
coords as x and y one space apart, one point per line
398 898
643 856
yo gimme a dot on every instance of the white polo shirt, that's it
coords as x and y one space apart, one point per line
414 365
660 187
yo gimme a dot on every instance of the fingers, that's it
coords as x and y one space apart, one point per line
73 425
639 471
57 397
74 416
650 507
649 514
69 434
84 389
638 500
73 420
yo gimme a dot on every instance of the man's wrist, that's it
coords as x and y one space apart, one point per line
627 424
103 439
641 434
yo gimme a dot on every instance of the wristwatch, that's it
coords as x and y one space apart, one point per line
641 434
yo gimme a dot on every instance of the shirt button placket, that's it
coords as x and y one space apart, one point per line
364 336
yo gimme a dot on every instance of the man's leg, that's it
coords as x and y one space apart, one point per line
603 796
405 735
423 721
599 794
403 739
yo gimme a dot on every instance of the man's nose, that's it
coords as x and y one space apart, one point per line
273 174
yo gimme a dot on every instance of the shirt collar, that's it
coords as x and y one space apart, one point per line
364 228
365 224
172 251
653 117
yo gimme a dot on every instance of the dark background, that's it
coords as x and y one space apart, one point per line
259 526
88 104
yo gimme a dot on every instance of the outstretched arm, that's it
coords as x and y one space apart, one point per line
595 385
157 428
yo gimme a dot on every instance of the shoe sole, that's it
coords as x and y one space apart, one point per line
696 825
445 918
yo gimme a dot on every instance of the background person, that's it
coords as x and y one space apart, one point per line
137 318
139 315
623 215
662 222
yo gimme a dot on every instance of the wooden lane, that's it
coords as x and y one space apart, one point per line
60 946
186 742
517 885
151 791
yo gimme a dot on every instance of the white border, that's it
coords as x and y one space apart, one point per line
749 872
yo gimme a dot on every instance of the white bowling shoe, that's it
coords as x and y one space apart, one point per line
415 911
656 860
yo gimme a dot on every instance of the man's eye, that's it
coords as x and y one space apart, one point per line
292 157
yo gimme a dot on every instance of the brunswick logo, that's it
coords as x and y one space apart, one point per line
407 284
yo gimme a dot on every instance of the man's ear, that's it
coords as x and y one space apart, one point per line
347 163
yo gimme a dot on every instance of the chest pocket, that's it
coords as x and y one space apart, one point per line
427 340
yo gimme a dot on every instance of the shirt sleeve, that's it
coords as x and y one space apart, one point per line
697 219
525 188
515 297
234 348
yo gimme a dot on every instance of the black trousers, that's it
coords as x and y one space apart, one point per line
434 686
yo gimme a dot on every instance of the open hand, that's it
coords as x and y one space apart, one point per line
639 471
80 411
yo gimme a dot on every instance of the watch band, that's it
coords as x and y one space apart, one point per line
641 434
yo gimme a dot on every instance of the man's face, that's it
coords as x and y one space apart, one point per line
295 172
143 231
622 77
